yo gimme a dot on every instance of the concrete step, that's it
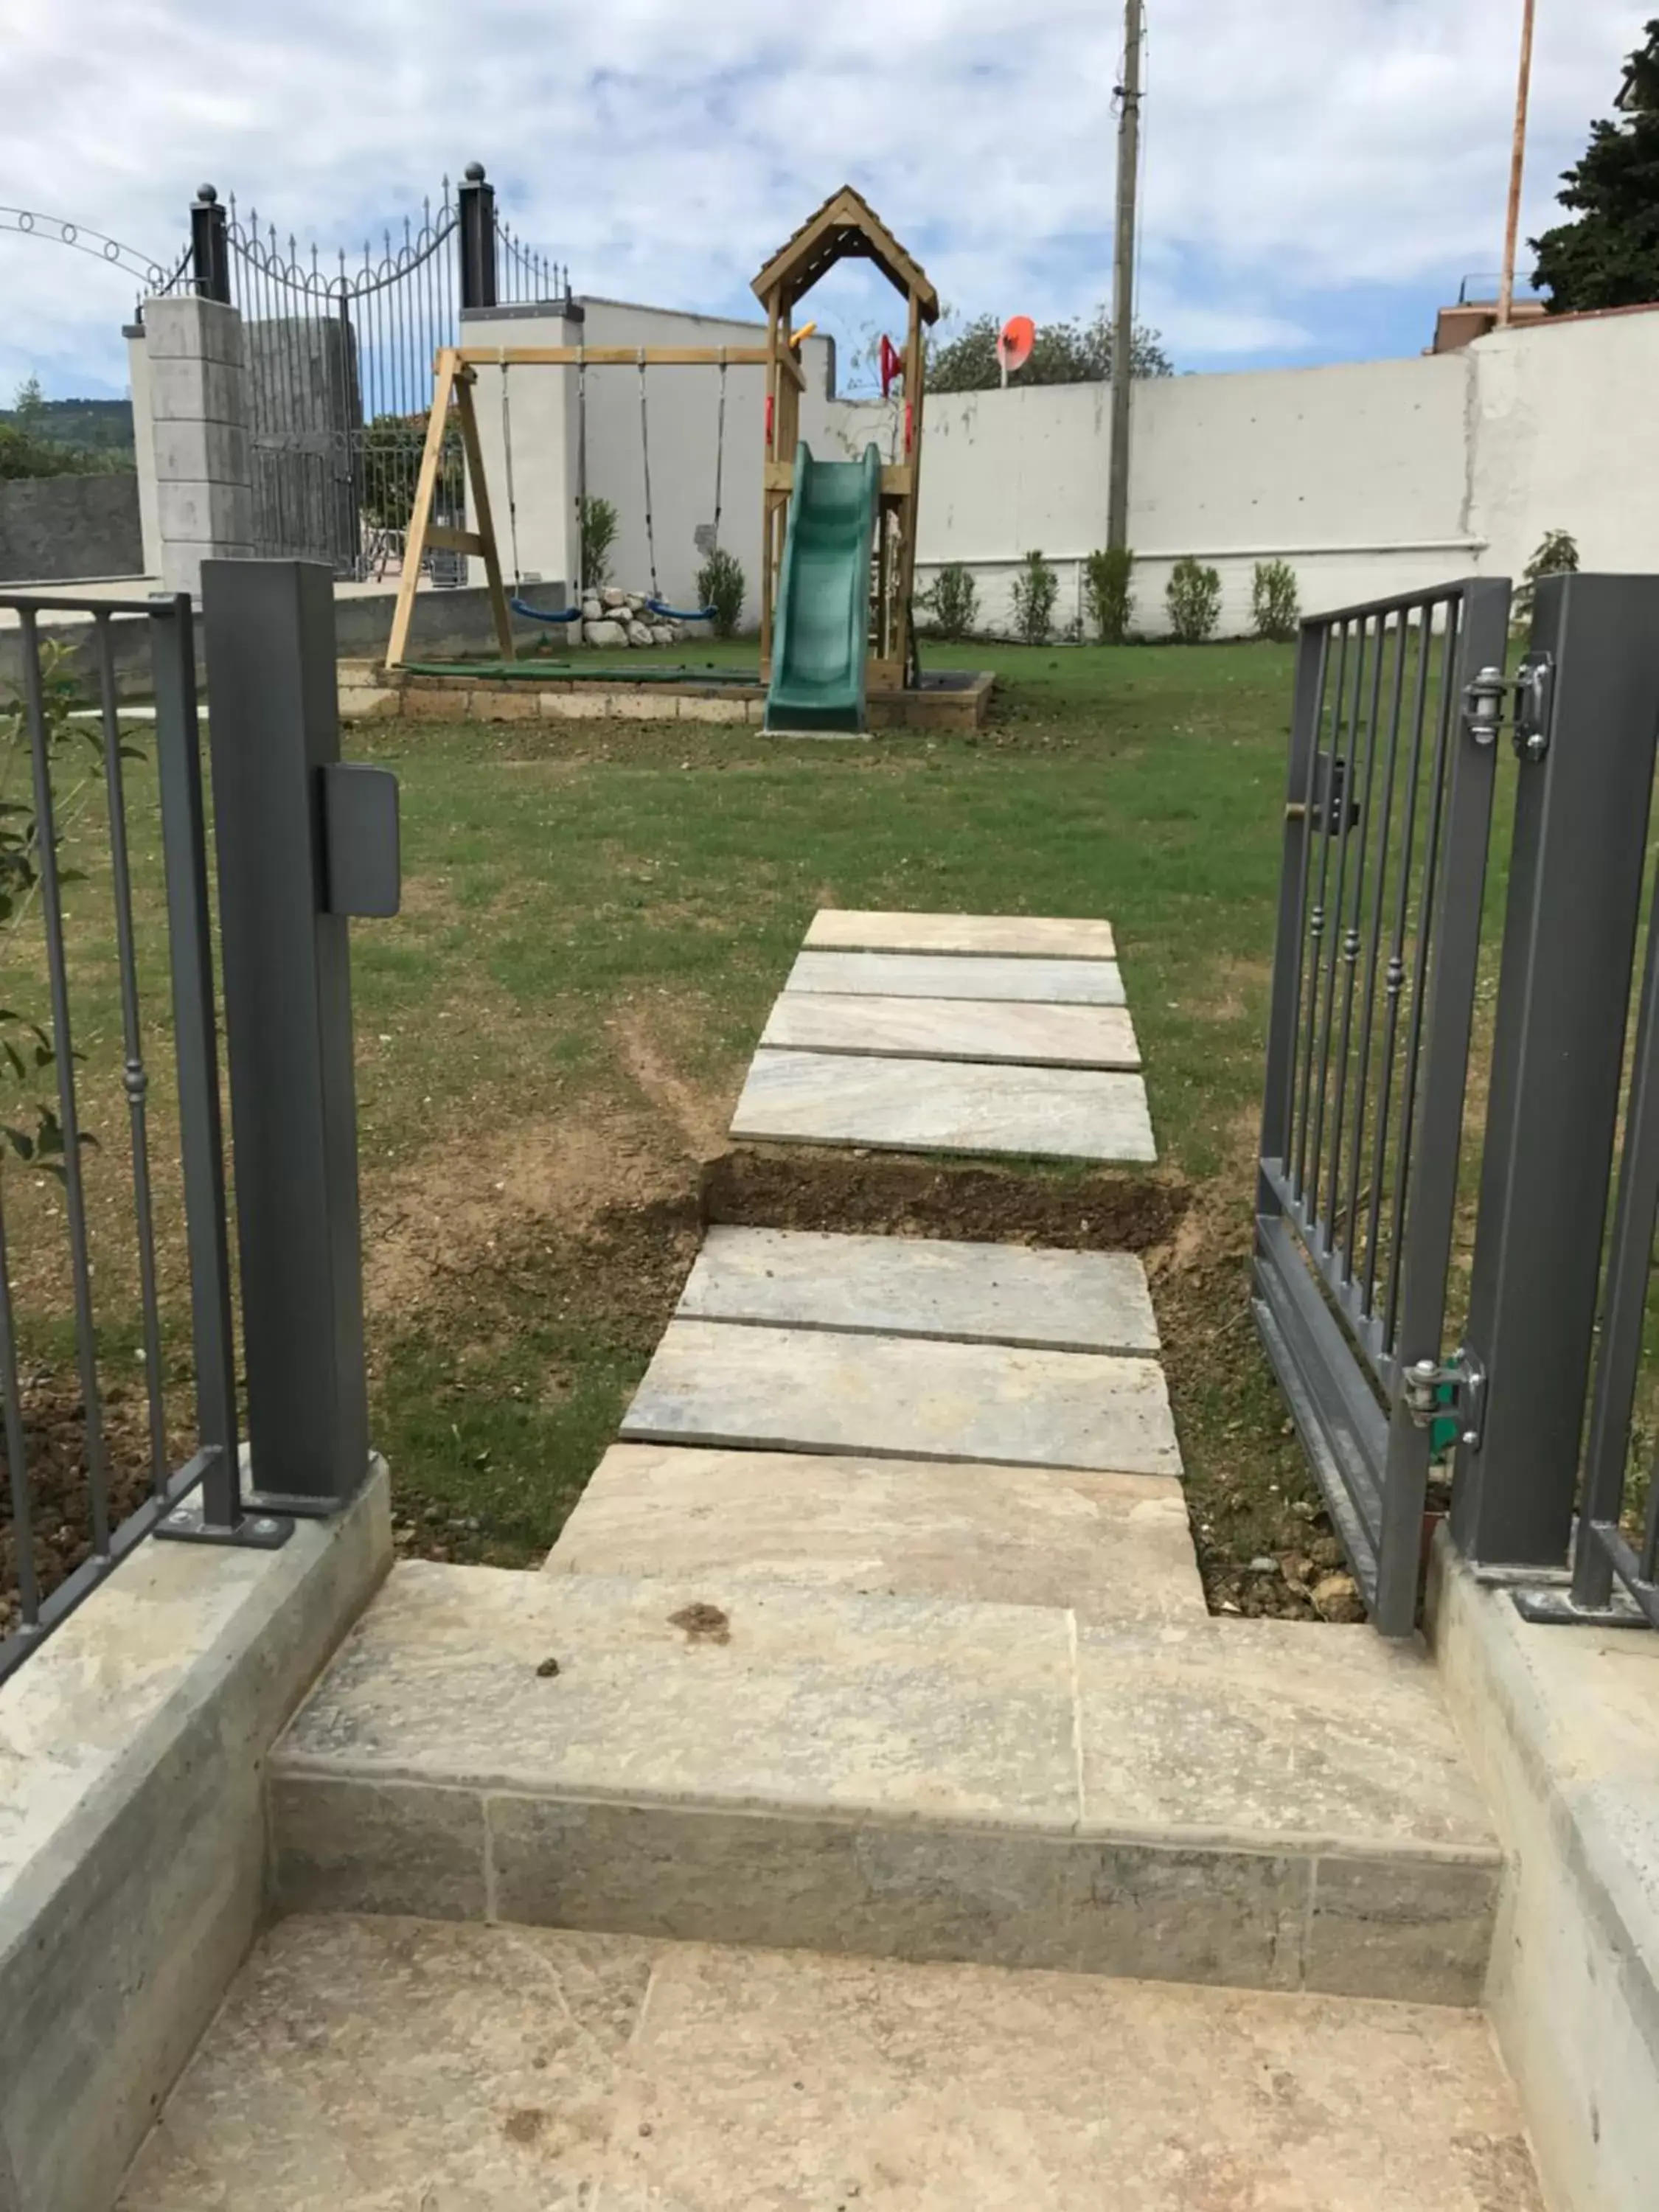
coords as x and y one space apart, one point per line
923 1286
1021 936
1261 1804
363 2064
803 1389
958 975
953 1029
1111 1546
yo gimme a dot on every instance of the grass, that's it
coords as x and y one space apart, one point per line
597 917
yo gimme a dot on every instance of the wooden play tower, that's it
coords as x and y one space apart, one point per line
846 227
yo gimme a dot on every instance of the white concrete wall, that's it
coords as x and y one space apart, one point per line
540 417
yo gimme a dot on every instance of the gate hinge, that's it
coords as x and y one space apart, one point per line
1449 1399
1491 697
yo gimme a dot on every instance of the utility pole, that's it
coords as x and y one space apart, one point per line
1123 271
1518 165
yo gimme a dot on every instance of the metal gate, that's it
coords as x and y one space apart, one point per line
1387 819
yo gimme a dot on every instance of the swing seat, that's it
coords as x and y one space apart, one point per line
544 614
679 614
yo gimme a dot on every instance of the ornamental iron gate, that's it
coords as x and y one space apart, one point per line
1388 820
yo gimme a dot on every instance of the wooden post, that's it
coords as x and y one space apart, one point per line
769 497
486 527
420 517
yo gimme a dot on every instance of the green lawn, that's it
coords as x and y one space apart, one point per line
597 917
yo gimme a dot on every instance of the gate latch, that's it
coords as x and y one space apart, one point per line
1449 1399
1491 697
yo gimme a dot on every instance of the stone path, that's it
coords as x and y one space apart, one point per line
952 1033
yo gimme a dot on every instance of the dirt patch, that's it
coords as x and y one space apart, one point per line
644 1039
889 1194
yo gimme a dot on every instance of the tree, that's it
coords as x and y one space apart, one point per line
1609 257
1064 352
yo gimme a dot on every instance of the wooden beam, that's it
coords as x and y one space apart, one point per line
420 514
789 363
486 530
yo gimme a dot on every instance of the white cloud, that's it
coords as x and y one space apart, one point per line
664 150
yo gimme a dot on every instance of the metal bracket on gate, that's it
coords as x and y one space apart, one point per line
1449 1399
1491 697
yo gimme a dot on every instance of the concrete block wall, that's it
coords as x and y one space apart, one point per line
55 529
196 375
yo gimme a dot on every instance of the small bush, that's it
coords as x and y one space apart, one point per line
952 601
1193 596
1556 555
1275 604
722 585
1109 593
598 536
1036 589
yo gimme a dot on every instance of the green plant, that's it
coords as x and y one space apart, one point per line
1109 593
721 585
1036 589
952 600
964 358
1275 604
1193 596
1557 554
598 536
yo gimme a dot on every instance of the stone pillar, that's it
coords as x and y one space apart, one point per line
196 371
143 444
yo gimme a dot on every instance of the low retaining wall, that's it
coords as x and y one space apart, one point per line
368 694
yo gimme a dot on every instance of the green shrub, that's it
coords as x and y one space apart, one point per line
598 536
1036 589
1556 555
1275 604
722 585
952 601
1193 596
1109 592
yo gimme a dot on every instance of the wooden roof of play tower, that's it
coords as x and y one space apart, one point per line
846 227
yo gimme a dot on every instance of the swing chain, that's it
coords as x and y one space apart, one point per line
581 474
645 456
720 451
511 501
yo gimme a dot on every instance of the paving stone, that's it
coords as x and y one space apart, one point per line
954 1029
361 2063
936 1106
1111 1546
1021 936
923 1286
903 1397
953 976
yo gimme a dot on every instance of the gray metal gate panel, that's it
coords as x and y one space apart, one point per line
1388 823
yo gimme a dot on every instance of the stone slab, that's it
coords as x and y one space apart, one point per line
1111 1546
958 976
1017 936
786 1389
934 1106
719 1758
923 1286
954 1029
365 2064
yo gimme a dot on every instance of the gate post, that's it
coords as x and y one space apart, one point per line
1581 822
284 857
197 388
209 247
477 198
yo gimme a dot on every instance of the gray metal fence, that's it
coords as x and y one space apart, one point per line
1394 756
302 842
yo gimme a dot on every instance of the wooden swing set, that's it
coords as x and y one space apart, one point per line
845 226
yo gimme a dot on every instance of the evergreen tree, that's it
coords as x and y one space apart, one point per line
1064 352
1609 257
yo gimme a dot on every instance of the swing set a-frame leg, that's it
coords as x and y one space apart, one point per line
453 380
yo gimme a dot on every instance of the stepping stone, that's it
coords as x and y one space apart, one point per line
938 1106
789 1390
922 1286
955 1029
1261 1803
955 975
1020 936
1113 1547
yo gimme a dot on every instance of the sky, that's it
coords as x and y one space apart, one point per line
1318 175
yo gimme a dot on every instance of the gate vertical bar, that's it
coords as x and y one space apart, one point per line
1574 887
1300 801
1456 883
288 1000
201 1130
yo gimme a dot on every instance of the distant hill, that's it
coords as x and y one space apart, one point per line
96 426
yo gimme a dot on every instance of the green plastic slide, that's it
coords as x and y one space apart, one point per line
821 632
